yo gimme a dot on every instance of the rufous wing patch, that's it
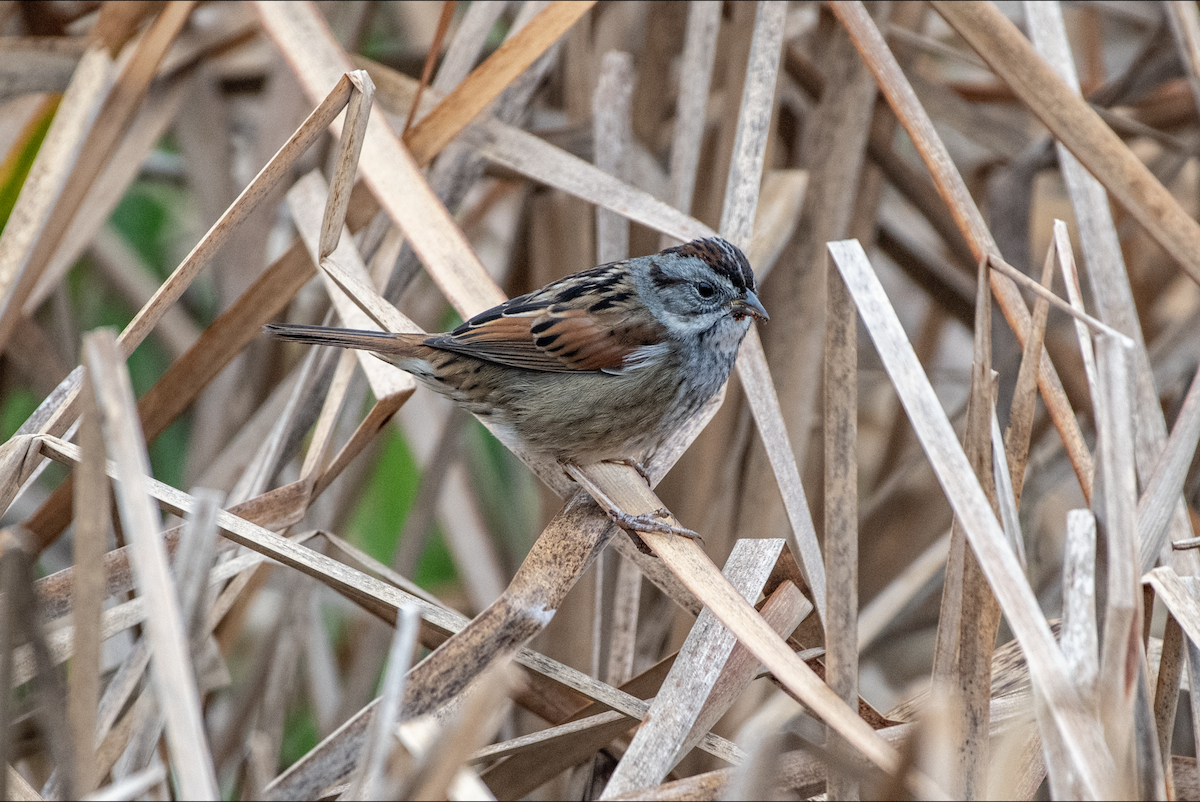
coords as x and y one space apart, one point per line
585 341
553 340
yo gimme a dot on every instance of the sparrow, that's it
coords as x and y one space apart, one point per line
600 365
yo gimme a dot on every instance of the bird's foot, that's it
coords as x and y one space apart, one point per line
652 522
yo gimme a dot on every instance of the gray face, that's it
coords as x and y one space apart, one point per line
686 294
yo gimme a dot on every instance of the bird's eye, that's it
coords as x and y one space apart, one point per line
705 289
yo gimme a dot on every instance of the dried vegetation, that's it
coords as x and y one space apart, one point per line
971 420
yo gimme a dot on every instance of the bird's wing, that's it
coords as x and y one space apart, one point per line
543 332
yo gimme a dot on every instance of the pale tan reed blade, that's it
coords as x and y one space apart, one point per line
749 148
969 619
780 200
1166 695
22 622
610 723
613 134
17 464
696 71
1186 29
1121 659
172 670
93 502
1020 415
47 177
481 87
657 744
841 506
1079 639
1080 642
1009 518
963 590
1179 595
900 96
193 563
430 760
323 430
1080 129
1154 509
1046 665
1066 263
627 597
135 785
760 391
1082 318
358 110
784 610
468 42
371 782
533 157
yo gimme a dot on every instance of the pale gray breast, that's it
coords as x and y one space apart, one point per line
592 416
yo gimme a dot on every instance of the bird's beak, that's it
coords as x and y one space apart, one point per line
750 306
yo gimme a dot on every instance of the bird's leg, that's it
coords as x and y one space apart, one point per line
650 522
637 466
632 524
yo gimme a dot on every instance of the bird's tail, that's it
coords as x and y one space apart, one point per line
383 343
